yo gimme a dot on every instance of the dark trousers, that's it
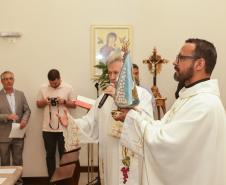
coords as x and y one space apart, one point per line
14 147
51 141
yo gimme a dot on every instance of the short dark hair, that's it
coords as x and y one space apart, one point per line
205 49
135 66
53 74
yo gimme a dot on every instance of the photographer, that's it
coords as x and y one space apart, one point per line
54 97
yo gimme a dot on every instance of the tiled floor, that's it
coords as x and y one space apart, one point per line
84 178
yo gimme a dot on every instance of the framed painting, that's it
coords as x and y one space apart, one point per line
104 40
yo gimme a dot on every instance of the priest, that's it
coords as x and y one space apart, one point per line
99 125
188 145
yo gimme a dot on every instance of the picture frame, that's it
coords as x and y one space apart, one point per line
105 39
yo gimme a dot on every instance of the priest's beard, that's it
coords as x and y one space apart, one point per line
183 76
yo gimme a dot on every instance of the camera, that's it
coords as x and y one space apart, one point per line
53 101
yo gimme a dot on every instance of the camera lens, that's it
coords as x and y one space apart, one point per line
53 102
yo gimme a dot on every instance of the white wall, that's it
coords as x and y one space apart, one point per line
56 34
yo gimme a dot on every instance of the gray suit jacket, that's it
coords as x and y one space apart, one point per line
22 110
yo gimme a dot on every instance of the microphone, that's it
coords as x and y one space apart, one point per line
97 88
102 101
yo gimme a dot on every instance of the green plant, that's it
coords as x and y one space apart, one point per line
103 79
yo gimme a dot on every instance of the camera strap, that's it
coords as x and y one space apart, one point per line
50 117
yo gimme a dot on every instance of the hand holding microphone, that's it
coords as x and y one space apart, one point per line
110 90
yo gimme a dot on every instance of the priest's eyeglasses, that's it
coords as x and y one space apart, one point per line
181 58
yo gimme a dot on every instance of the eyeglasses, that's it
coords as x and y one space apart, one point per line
180 58
10 78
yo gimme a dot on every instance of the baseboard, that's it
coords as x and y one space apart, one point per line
85 169
37 180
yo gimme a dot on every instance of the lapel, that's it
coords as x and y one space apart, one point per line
5 101
16 100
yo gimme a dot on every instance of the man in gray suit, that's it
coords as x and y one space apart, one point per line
13 109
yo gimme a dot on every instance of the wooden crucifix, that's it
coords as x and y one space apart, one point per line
155 62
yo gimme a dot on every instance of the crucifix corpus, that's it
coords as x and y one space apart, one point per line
154 63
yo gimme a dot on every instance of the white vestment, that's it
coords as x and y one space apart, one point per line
97 125
187 147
